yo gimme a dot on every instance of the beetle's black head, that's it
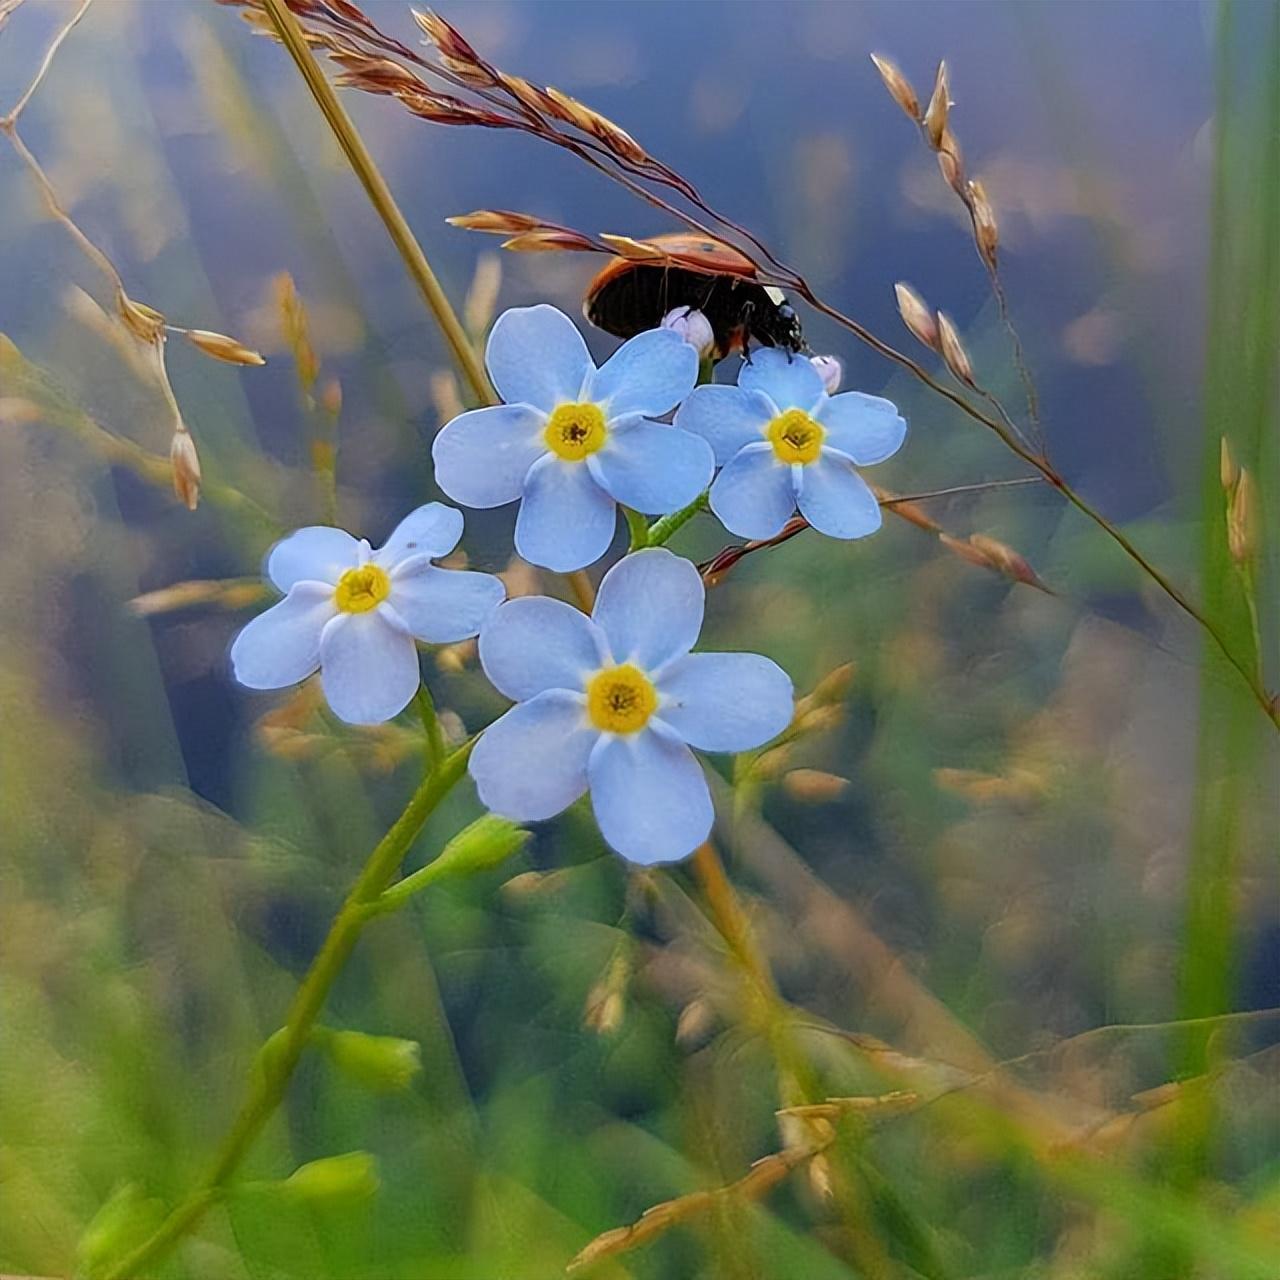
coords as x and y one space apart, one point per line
778 326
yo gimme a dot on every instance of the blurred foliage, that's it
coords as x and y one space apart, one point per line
1038 888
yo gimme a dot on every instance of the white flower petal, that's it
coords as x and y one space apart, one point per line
753 495
282 645
650 374
727 418
368 667
315 554
868 428
726 701
537 356
566 520
482 457
432 530
790 381
534 643
650 607
531 763
442 606
650 797
835 499
653 468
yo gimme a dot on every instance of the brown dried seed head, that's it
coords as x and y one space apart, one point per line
185 462
1004 558
530 95
637 250
898 85
1228 470
814 786
953 352
569 109
984 223
916 315
144 322
1242 520
834 685
966 551
445 37
496 221
549 240
221 347
951 164
935 116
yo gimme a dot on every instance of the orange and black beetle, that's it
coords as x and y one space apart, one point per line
630 295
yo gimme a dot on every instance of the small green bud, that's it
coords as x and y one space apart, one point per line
126 1217
487 842
334 1180
384 1064
267 1063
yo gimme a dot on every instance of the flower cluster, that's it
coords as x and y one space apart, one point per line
610 703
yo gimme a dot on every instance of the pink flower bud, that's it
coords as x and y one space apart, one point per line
692 326
830 370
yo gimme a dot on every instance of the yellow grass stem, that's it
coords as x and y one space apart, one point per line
380 197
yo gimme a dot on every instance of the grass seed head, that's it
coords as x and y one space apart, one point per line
222 347
935 116
185 464
984 223
899 86
916 315
1242 519
953 353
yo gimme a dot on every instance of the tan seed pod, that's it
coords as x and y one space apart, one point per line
899 86
953 353
916 315
935 116
1242 520
984 223
185 463
221 347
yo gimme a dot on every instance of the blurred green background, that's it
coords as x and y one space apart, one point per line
1038 828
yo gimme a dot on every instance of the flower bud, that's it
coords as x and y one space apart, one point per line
383 1064
692 326
334 1180
953 352
485 843
830 370
185 463
898 85
916 315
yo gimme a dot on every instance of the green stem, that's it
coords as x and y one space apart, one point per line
380 197
638 527
436 747
661 531
269 1085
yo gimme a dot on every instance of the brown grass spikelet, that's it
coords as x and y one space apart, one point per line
222 347
916 315
229 593
834 686
951 165
814 786
869 1105
1242 519
295 329
376 75
502 222
184 462
446 37
1228 468
529 95
636 250
144 322
1004 558
985 231
935 116
1017 787
550 240
954 356
899 86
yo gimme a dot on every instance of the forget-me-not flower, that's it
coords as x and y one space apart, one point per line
612 703
571 441
782 442
355 614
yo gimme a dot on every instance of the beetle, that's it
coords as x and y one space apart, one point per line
629 295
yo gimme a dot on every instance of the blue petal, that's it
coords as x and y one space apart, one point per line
482 457
727 418
835 499
650 796
282 646
537 356
316 554
535 643
442 606
566 520
867 428
432 530
649 374
532 762
726 701
650 607
368 667
754 495
791 382
653 468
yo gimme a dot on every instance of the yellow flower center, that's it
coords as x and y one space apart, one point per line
575 430
621 699
795 437
362 589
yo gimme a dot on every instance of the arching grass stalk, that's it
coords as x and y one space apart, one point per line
274 1072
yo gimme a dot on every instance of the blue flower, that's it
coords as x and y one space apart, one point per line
354 614
612 703
782 442
572 440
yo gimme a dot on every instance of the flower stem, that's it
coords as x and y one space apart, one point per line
269 1084
638 528
431 726
661 531
380 197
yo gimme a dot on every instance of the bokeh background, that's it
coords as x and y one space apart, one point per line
1053 836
